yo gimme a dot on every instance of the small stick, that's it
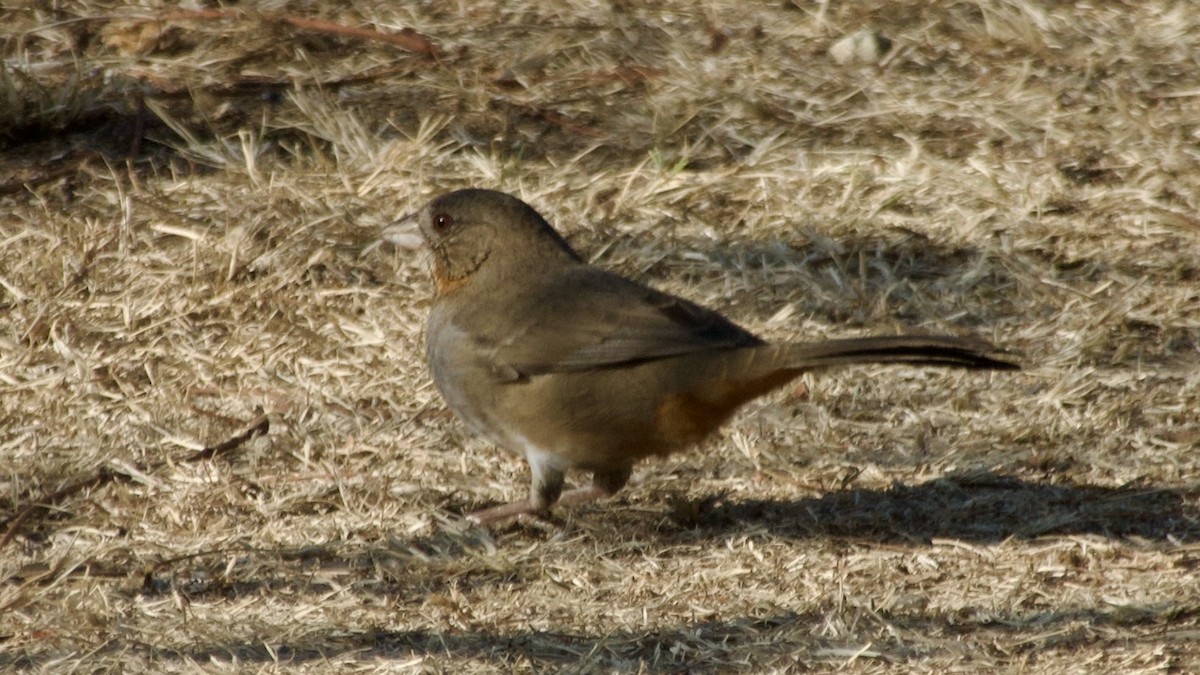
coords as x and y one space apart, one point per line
101 477
406 39
260 425
105 475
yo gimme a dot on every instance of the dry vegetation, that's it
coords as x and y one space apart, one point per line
188 209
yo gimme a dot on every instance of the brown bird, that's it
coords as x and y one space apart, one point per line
575 367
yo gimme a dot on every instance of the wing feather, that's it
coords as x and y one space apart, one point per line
587 318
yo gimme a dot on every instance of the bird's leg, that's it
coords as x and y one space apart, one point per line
604 484
545 486
502 512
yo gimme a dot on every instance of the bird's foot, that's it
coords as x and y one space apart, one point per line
525 507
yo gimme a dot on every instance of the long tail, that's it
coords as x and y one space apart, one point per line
752 371
716 387
930 350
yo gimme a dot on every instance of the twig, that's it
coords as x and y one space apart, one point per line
101 477
139 124
407 39
24 177
260 425
106 475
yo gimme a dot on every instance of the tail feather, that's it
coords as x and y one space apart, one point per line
932 350
719 386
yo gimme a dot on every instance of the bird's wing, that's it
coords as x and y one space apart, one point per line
587 318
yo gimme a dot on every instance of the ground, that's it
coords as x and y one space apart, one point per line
222 451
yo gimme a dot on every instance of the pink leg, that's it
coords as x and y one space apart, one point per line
603 485
495 514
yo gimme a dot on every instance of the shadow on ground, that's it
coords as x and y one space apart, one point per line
980 507
741 643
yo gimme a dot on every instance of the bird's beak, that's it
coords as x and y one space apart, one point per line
405 233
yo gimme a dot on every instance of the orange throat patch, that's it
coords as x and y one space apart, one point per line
443 283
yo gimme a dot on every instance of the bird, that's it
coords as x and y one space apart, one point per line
575 367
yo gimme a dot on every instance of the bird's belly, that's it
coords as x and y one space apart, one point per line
583 425
598 419
465 383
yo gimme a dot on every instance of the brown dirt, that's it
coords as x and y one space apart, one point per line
189 206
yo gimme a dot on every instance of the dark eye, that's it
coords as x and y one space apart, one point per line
442 223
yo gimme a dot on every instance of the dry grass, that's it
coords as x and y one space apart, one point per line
189 210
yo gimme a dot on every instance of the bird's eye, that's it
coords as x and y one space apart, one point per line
442 223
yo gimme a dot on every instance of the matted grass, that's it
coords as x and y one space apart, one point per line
189 205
